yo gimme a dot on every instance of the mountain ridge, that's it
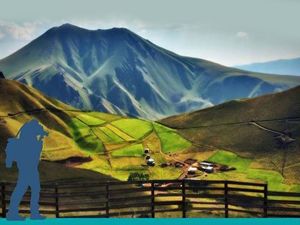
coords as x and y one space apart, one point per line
280 66
117 71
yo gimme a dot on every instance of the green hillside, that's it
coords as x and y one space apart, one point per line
105 143
245 134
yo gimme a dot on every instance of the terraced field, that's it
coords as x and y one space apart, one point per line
120 143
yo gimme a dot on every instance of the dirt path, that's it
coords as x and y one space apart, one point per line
172 158
40 110
254 123
286 119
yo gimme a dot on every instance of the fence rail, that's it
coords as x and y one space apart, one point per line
158 198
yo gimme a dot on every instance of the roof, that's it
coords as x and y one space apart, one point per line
206 163
192 168
207 167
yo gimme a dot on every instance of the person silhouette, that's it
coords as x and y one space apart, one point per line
25 150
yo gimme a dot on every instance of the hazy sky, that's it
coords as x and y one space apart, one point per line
229 32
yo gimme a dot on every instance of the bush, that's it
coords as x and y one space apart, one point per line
138 177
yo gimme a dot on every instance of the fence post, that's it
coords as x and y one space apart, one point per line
152 200
226 198
265 200
183 199
56 201
3 200
107 200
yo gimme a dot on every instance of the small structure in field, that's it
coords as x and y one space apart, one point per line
192 170
163 165
178 165
190 161
207 167
150 162
147 157
206 163
146 151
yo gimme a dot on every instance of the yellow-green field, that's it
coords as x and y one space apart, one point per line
246 172
120 141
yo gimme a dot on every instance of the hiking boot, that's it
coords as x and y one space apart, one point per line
14 217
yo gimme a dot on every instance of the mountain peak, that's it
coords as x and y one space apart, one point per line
69 26
68 29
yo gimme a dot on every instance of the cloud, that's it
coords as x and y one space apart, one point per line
2 35
21 32
242 35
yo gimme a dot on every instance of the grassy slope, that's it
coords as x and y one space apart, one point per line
171 141
204 128
114 143
134 150
136 128
244 172
15 97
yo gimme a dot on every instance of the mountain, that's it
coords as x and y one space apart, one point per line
117 71
252 128
282 66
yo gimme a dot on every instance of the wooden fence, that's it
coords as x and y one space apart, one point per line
159 198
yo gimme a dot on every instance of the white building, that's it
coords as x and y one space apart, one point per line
150 162
192 170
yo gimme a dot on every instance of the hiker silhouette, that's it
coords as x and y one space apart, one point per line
25 150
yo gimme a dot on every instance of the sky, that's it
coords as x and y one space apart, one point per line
229 32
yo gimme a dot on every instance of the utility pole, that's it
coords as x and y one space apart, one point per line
285 140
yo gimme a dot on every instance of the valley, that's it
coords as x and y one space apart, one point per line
117 146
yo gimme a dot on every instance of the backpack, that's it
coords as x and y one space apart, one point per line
12 149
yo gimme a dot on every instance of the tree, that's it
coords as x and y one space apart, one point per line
2 75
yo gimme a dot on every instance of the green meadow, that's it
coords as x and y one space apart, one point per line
244 172
170 140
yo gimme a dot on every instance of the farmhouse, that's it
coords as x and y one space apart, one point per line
207 167
192 170
205 163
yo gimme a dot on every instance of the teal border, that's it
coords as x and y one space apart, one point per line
157 221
